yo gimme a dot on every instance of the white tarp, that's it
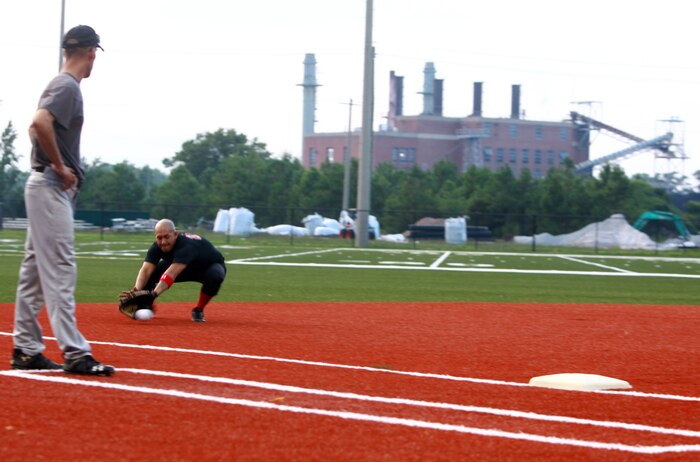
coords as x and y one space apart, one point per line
456 230
286 230
241 222
373 225
347 222
311 222
328 227
393 238
235 221
613 232
221 221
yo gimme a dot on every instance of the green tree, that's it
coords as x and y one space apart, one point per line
692 215
473 180
9 173
203 155
117 187
385 179
180 198
283 190
564 204
610 190
449 198
265 186
412 199
641 197
321 190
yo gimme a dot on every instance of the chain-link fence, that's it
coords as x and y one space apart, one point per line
419 228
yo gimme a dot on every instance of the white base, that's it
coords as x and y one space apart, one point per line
587 382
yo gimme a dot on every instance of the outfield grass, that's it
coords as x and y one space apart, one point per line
108 263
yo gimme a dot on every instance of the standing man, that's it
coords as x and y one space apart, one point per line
48 272
180 257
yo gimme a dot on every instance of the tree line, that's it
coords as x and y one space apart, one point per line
225 169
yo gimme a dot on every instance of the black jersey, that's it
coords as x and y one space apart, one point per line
189 249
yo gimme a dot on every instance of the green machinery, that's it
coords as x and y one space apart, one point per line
657 215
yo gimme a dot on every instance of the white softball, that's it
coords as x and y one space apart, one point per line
143 314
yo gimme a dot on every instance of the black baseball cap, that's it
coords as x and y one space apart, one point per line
81 36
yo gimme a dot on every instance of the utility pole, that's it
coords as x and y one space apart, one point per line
346 160
365 170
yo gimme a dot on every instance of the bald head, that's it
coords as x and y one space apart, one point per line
165 234
165 226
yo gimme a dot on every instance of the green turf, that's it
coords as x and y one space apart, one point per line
109 263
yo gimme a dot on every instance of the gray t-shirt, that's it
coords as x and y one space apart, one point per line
64 100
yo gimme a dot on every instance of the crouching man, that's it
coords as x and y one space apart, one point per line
182 257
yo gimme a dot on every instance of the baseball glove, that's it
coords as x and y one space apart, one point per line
132 300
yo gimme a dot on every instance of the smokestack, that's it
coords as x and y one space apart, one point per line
515 102
428 89
477 99
438 97
309 86
395 98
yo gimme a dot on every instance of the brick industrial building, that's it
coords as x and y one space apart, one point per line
425 139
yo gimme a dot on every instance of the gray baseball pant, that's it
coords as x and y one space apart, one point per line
48 273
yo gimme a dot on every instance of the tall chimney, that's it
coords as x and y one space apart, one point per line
428 89
437 102
477 99
309 86
515 102
395 98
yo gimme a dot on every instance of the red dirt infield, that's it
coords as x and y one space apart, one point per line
362 381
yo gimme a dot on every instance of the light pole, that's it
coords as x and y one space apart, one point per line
60 39
365 168
346 160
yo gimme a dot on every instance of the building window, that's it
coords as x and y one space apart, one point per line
512 155
526 156
538 156
312 157
488 128
329 155
538 173
564 133
487 154
403 155
499 155
513 130
550 157
538 132
563 155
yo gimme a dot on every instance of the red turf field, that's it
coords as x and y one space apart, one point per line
367 381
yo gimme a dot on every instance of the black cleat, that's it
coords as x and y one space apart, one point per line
198 315
36 362
87 366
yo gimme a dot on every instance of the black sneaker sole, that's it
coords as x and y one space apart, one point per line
105 371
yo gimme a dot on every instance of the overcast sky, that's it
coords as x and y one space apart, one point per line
173 69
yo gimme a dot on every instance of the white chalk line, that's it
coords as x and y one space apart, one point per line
465 270
436 266
413 423
427 375
420 403
439 261
600 265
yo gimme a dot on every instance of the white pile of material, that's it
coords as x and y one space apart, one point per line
241 222
235 221
456 230
614 232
